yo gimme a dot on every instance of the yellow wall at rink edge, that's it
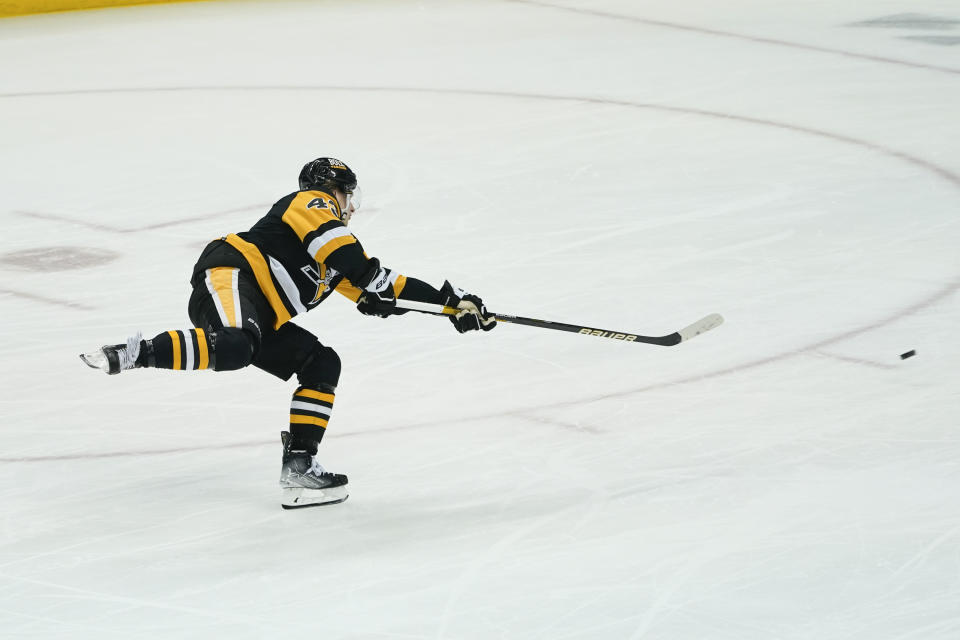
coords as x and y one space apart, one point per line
23 7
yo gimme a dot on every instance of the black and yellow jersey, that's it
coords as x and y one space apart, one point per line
300 252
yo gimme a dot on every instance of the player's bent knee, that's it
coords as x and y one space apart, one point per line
232 348
321 368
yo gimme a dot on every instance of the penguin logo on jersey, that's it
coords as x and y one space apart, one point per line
322 279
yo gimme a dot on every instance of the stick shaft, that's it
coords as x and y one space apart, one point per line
626 336
695 329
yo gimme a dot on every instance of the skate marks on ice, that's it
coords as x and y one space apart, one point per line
135 453
52 260
902 22
127 544
476 569
33 297
62 258
748 38
99 226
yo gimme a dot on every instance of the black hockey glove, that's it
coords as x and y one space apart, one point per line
473 314
377 298
376 304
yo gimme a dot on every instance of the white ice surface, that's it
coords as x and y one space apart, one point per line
631 165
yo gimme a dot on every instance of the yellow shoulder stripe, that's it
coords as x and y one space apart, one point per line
309 210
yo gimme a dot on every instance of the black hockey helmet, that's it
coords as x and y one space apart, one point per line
325 174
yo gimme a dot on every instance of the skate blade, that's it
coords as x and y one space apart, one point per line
95 360
298 497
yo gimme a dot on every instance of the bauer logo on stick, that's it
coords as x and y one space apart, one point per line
608 334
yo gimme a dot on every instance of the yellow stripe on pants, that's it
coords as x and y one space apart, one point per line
221 280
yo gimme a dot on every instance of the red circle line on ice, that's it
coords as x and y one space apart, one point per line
899 314
707 31
837 137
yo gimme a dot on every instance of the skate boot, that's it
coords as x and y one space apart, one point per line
113 359
303 482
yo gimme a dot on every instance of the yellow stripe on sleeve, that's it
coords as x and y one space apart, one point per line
348 290
324 252
398 286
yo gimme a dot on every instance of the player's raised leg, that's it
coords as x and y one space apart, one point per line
225 303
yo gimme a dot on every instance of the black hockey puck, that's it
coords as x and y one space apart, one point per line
908 354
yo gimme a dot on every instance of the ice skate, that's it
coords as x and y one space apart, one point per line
112 359
304 483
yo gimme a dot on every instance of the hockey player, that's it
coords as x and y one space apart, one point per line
247 287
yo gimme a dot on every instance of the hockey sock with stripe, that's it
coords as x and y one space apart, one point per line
179 350
310 410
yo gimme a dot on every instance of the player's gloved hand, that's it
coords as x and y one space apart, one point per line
473 314
376 304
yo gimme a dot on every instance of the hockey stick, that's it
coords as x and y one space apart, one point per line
689 332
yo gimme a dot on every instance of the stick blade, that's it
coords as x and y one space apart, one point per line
702 325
